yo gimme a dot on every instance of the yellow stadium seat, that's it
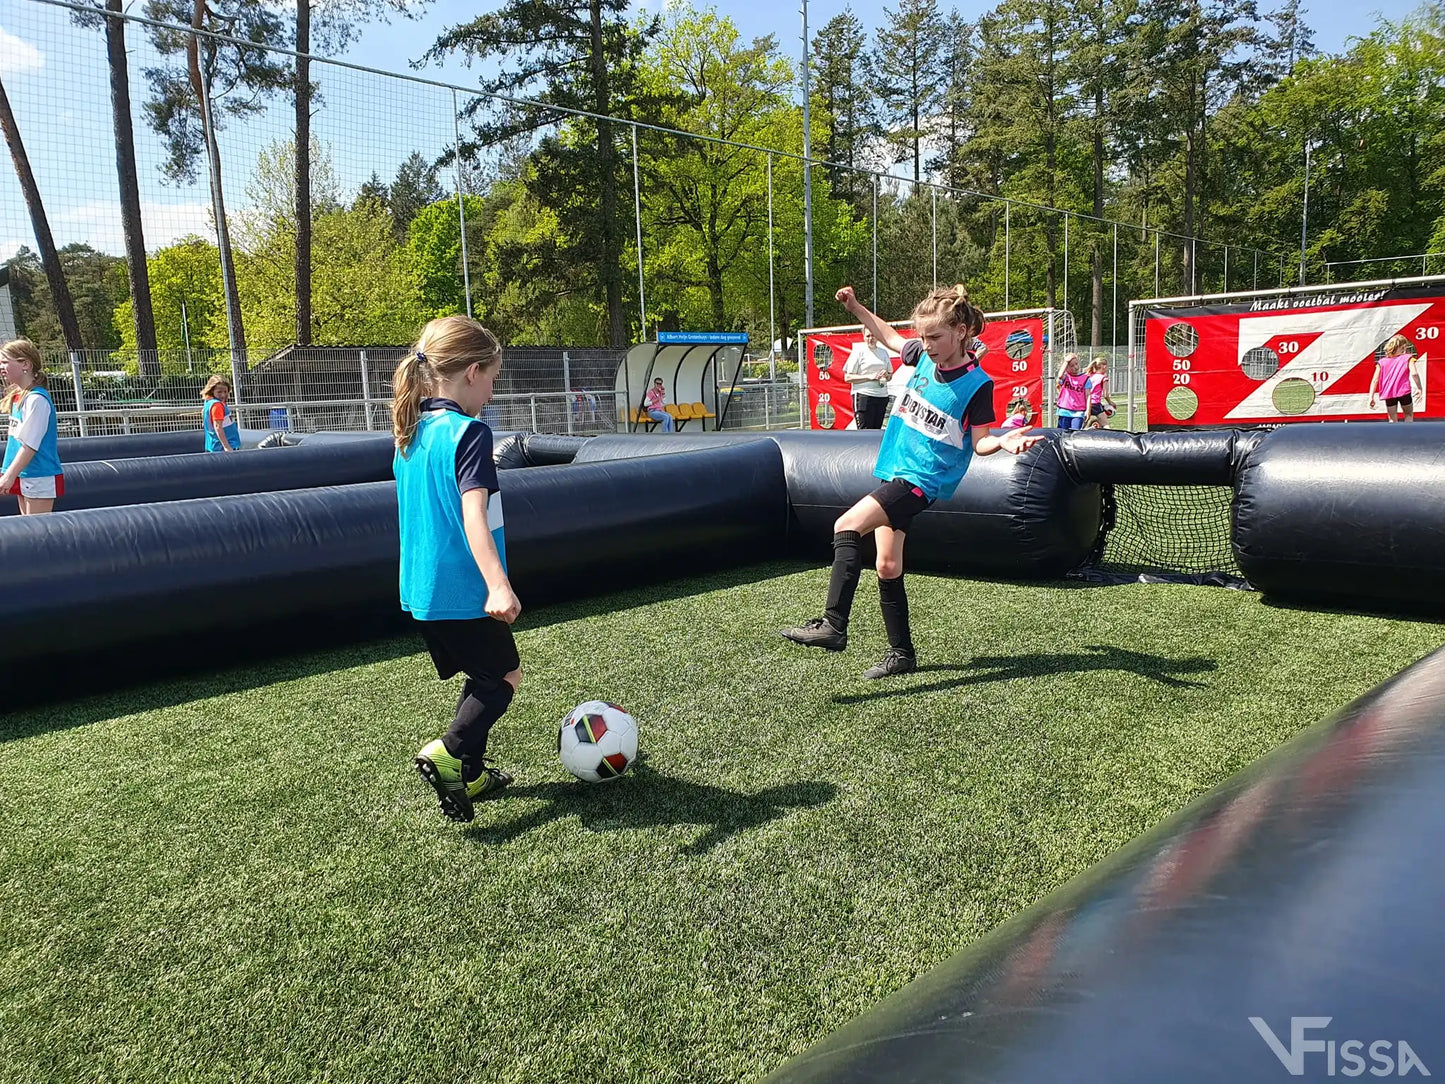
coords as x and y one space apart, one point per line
700 410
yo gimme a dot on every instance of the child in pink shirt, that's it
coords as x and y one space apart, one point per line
1394 373
1073 399
1020 413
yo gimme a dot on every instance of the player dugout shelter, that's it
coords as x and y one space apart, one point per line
693 365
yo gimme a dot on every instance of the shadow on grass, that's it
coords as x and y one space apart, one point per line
983 669
645 798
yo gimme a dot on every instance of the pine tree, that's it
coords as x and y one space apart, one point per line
842 81
911 77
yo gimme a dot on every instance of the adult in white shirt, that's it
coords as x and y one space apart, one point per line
867 369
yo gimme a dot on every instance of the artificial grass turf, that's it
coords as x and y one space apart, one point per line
240 876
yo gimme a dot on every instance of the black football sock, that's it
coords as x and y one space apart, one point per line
480 706
894 599
844 582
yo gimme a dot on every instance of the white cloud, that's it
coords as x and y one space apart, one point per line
18 56
98 224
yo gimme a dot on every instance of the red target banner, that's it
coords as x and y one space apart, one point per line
1273 360
1014 358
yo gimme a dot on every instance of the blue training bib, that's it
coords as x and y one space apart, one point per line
926 441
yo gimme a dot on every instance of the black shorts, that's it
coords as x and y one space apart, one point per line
1095 409
481 648
1399 401
870 410
901 501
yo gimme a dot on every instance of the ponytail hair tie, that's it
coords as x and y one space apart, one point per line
420 356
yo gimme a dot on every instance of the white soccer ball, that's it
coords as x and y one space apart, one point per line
597 741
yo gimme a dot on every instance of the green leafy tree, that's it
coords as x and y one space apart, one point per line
434 244
578 54
364 286
704 198
188 299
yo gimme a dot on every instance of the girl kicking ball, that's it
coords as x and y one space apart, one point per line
938 424
453 551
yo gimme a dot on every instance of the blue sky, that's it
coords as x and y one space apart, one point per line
56 79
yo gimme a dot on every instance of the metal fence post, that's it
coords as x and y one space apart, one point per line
79 390
933 192
1007 251
876 307
637 219
1129 414
366 391
568 402
802 384
461 206
236 382
1066 261
533 400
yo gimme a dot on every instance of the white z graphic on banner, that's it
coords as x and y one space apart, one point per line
1346 338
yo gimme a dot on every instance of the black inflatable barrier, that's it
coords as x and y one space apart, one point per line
1345 514
551 450
1013 516
104 583
1308 885
130 446
104 484
508 452
1205 457
143 445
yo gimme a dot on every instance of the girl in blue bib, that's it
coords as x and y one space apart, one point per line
223 434
31 470
453 548
939 423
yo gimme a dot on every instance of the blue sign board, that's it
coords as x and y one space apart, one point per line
664 337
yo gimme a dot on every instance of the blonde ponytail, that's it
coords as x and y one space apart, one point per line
409 388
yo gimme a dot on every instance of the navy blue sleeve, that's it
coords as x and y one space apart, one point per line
475 469
911 352
980 407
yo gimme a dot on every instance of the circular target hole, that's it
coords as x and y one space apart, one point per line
1260 363
1181 403
825 414
822 356
1019 344
1293 396
1181 340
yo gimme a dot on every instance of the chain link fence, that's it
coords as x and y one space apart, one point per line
309 389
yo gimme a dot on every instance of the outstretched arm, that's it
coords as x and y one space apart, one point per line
1014 441
1374 386
882 331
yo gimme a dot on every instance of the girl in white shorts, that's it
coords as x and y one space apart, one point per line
31 469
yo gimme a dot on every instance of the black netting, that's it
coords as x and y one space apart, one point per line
1171 529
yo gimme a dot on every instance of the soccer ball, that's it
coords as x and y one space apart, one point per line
597 741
